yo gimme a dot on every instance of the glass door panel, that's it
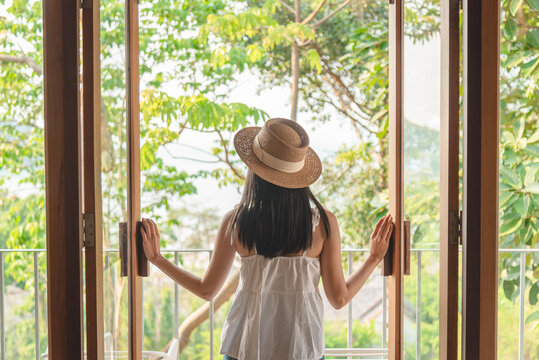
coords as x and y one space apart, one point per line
421 122
114 177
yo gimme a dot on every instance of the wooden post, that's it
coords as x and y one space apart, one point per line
480 181
133 174
91 117
395 281
449 180
62 178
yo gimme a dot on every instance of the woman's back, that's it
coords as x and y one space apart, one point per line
277 312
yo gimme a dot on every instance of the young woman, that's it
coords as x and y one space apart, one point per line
277 312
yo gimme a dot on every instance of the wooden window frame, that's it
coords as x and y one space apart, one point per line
62 178
449 179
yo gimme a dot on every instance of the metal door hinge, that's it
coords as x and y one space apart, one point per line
88 225
455 227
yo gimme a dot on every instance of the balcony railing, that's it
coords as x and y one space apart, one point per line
348 352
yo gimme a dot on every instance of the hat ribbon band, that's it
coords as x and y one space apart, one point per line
275 163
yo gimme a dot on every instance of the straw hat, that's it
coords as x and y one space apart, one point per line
279 152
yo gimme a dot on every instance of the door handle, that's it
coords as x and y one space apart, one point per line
406 249
387 264
387 261
142 260
123 248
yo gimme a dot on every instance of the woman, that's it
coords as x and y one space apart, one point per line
277 312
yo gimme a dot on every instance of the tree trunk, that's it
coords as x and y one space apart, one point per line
202 313
118 299
295 82
294 64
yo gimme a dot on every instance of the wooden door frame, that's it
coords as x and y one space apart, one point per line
480 179
91 179
62 178
449 179
396 171
135 336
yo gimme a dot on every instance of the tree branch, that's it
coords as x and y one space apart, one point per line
188 158
340 82
335 182
226 159
23 59
289 8
355 122
314 13
342 6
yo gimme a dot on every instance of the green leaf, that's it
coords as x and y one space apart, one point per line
518 127
532 38
526 231
271 5
534 4
532 188
254 53
508 289
379 114
534 293
529 178
522 205
510 226
535 136
510 177
504 197
514 59
147 156
508 137
534 316
515 5
532 150
527 68
511 29
314 60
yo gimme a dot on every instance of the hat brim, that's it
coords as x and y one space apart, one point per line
243 142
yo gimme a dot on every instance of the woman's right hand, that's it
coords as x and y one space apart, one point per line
151 240
380 237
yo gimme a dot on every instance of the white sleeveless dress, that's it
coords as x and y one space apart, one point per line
277 312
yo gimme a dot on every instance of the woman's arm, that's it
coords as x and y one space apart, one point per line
216 273
339 291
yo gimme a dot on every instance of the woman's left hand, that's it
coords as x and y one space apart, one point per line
151 240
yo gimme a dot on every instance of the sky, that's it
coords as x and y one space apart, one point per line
421 106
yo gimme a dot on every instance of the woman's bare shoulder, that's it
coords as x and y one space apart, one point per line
331 216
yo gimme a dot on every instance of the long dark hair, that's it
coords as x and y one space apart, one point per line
275 220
